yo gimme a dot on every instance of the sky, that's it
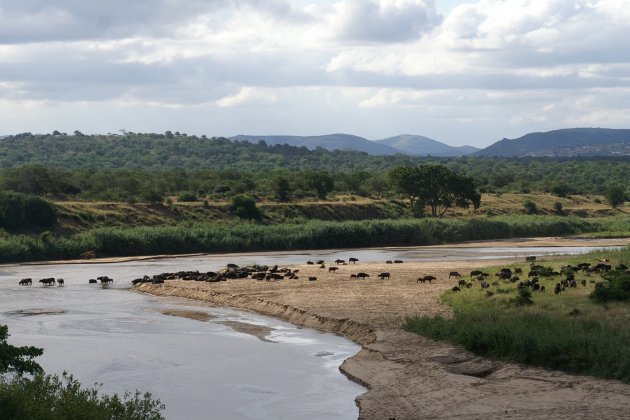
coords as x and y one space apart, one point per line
461 72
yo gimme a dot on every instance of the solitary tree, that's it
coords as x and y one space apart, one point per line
615 195
434 186
282 188
244 207
321 182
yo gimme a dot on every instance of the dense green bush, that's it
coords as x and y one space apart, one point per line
19 211
244 207
615 287
187 196
49 397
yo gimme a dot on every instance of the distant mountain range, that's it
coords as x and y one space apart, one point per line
403 144
424 146
569 142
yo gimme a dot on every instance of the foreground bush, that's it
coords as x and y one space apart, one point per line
615 287
49 397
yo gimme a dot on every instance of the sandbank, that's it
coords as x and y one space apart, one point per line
409 376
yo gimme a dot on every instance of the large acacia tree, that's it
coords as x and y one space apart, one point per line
434 186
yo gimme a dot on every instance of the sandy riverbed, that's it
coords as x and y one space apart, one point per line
408 376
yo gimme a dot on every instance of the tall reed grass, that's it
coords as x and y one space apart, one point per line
225 237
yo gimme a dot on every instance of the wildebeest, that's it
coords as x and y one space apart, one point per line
105 280
338 261
232 266
557 289
476 273
333 269
320 262
530 258
92 281
48 281
388 262
26 282
60 282
310 262
425 278
362 275
383 276
454 274
312 278
455 289
398 261
353 260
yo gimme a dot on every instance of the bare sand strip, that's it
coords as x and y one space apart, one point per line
409 376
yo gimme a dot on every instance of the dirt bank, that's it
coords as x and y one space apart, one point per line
408 376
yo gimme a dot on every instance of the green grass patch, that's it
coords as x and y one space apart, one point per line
569 331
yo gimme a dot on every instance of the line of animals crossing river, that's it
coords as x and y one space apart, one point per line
276 273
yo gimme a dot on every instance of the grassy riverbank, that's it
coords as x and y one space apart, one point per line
569 331
245 237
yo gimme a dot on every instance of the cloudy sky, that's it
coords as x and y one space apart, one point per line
462 72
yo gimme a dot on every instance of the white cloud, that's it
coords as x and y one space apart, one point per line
248 96
519 63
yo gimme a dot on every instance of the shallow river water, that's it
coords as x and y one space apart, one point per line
198 369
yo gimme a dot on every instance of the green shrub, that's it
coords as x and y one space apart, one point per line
244 207
22 210
49 397
187 197
615 287
530 207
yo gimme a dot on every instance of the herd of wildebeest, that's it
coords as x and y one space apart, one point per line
275 273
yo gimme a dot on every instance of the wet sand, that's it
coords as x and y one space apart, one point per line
408 376
196 315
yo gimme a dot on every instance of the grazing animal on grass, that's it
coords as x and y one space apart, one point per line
332 269
475 273
398 261
26 282
92 281
583 282
232 266
362 275
462 283
388 262
338 261
531 258
353 260
312 278
353 276
454 274
60 282
557 289
485 285
383 276
455 289
425 279
322 266
320 262
310 262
